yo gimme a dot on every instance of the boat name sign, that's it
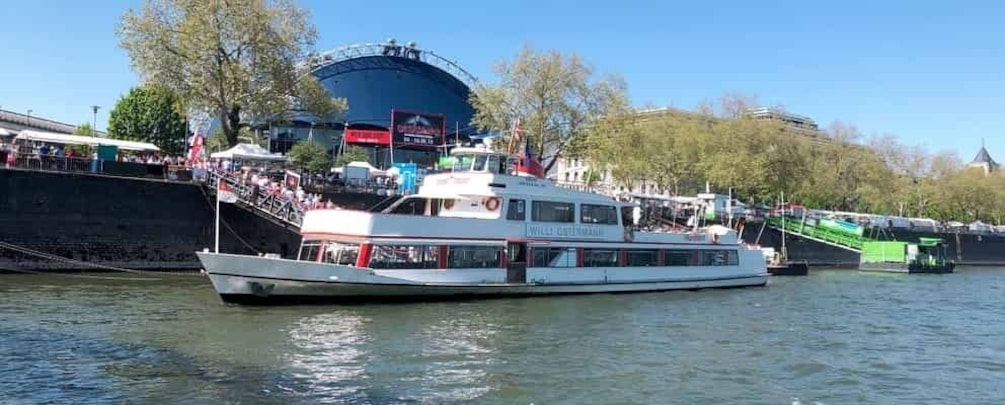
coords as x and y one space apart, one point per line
564 231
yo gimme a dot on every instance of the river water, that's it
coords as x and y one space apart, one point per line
835 337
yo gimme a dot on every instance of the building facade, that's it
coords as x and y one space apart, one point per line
11 123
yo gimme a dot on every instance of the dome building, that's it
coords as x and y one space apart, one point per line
427 94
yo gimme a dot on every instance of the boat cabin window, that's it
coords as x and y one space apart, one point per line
480 163
719 258
598 214
554 257
341 253
600 257
474 257
410 206
551 211
309 250
680 257
516 209
642 257
405 257
470 163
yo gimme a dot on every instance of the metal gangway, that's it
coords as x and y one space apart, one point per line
276 208
803 229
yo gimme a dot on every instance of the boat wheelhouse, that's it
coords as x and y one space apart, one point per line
482 230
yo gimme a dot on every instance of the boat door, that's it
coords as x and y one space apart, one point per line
516 262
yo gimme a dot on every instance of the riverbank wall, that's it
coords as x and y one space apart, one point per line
128 223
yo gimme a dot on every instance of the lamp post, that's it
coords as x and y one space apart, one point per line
28 124
94 125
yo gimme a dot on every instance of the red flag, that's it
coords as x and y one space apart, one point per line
225 193
193 154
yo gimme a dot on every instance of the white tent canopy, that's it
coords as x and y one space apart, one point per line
247 151
371 168
52 137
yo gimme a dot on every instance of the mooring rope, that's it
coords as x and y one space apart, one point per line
49 256
225 224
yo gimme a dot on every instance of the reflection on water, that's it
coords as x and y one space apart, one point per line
834 337
331 354
455 354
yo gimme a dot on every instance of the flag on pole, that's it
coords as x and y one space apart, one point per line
225 193
196 149
528 163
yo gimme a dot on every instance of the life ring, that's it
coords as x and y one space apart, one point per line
492 203
448 203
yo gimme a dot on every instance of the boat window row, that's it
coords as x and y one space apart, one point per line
428 257
609 257
563 212
424 256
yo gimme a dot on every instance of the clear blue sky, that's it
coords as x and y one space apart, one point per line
933 73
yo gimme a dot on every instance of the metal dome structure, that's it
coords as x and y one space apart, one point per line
389 48
378 78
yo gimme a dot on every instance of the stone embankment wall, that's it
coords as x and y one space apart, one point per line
136 224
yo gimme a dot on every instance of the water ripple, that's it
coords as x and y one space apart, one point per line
832 338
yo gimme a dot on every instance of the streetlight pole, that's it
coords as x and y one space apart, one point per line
29 119
94 126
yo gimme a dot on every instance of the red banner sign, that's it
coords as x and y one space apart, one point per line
368 136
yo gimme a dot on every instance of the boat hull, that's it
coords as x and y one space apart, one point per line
907 268
789 269
255 280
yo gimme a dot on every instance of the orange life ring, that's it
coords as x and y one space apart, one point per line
448 203
492 203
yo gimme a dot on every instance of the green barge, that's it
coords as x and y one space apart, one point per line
926 256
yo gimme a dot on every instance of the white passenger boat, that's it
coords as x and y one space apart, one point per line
481 231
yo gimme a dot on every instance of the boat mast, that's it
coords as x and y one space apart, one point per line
785 255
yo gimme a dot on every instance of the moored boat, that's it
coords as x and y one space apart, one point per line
481 231
926 256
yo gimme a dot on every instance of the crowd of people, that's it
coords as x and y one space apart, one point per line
271 181
307 191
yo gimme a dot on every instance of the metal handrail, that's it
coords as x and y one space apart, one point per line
378 49
261 201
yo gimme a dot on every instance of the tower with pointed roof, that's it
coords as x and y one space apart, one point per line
983 160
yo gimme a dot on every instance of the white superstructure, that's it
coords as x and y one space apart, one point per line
481 231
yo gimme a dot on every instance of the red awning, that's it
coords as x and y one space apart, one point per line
368 136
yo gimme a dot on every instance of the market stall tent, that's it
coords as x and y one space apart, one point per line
51 137
247 151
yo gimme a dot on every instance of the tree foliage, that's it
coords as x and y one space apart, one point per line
352 153
678 151
310 156
150 114
217 142
241 60
556 98
84 129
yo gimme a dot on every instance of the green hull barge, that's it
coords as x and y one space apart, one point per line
926 256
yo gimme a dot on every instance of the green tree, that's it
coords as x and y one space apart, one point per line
310 156
352 153
216 141
555 97
150 114
84 129
240 60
